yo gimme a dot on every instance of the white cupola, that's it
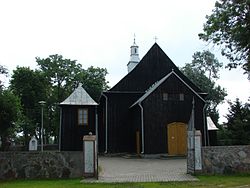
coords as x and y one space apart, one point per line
134 57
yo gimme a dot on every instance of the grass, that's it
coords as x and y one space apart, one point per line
239 181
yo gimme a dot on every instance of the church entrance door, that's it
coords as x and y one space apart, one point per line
177 138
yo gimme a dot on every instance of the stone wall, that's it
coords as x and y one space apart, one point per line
226 159
48 164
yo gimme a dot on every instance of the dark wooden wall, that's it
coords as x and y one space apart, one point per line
120 129
159 113
213 138
101 124
72 133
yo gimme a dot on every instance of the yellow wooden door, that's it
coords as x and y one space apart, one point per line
182 139
172 140
177 138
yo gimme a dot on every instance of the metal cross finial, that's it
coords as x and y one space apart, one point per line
134 38
155 39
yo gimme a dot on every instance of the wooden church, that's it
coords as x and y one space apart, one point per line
77 118
148 110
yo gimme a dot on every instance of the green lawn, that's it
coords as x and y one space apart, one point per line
205 181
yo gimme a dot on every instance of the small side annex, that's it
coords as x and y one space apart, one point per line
77 118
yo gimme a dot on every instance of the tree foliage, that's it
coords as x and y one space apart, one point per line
64 75
31 87
207 64
60 73
93 80
237 129
229 27
10 109
196 72
3 71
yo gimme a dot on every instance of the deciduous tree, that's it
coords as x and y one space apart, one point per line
229 27
94 81
206 63
60 72
9 112
196 72
3 71
31 87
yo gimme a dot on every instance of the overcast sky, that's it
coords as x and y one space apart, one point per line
100 33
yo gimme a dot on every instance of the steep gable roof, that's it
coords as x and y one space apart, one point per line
157 84
153 67
79 97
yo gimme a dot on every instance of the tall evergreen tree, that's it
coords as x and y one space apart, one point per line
238 125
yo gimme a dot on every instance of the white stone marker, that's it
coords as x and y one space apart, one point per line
33 144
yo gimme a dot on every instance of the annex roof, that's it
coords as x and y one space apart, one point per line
157 84
79 97
210 124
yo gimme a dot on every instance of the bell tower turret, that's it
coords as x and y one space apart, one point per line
134 57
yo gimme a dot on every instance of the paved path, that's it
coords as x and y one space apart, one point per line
118 169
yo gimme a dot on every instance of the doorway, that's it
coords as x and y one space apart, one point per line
177 138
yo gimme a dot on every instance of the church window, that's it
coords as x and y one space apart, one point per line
181 96
165 96
135 51
83 116
173 96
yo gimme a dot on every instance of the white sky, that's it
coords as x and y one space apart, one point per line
100 33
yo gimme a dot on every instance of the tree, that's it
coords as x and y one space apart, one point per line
31 87
229 27
93 80
60 73
3 71
196 72
9 112
238 125
207 64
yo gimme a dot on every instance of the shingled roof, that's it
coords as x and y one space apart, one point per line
79 97
154 65
157 84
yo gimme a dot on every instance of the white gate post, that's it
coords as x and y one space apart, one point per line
89 156
197 156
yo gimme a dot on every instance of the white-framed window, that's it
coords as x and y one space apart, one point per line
82 116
